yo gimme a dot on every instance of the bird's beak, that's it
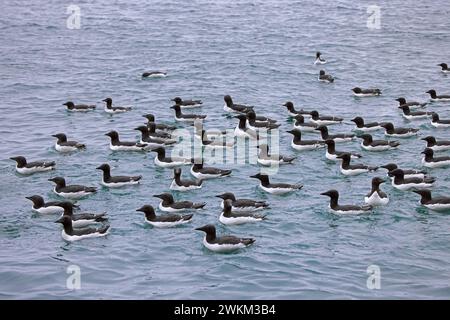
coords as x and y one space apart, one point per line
157 195
219 196
324 193
254 176
29 198
104 100
54 135
199 229
98 168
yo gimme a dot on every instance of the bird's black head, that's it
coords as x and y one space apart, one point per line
226 196
314 114
389 166
177 100
150 117
377 181
107 100
432 92
147 209
357 90
295 132
21 161
208 229
251 115
428 152
434 116
429 139
228 99
366 137
69 104
318 54
322 72
331 193
142 129
396 173
322 129
177 172
164 196
443 65
401 100
358 121
387 125
345 156
289 104
36 199
58 180
104 167
300 118
60 136
112 134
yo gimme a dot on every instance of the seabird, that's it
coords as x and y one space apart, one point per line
78 107
242 130
411 104
319 59
324 120
293 112
152 141
117 145
433 203
413 115
353 169
332 154
168 162
166 220
437 145
275 188
42 207
402 183
437 122
116 181
430 161
336 208
340 137
232 107
24 167
444 68
390 131
376 145
109 108
408 173
201 172
225 243
70 234
179 116
376 197
168 204
154 74
256 125
365 127
187 103
268 160
325 77
160 126
62 145
301 125
366 92
81 220
242 204
229 217
435 97
71 191
218 142
301 145
179 184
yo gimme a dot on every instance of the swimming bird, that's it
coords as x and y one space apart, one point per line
340 137
365 127
116 181
42 207
229 217
435 97
376 197
403 183
325 77
223 244
301 145
413 115
301 125
439 123
376 145
187 103
71 191
252 123
167 162
24 167
353 169
117 145
160 126
179 116
161 134
71 234
293 112
357 91
411 104
437 145
154 74
109 108
242 204
444 68
179 184
201 172
275 188
168 204
430 161
268 160
218 142
319 59
62 145
332 154
152 141
391 131
232 107
166 220
336 208
242 130
407 173
433 203
80 220
78 107
324 120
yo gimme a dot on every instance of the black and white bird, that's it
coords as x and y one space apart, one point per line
407 173
349 169
435 97
252 123
301 125
302 145
180 184
232 107
242 131
413 115
242 204
230 217
430 161
358 92
439 123
168 204
403 183
219 142
117 145
275 188
376 145
201 172
324 120
152 141
71 191
185 104
292 112
154 74
70 106
332 154
223 244
437 145
444 68
168 162
62 145
336 208
411 104
24 167
109 108
42 207
71 234
160 126
179 116
319 59
376 197
325 77
364 126
340 137
80 220
168 220
162 134
433 203
116 181
266 159
391 131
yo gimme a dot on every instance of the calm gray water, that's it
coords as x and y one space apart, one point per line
261 53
